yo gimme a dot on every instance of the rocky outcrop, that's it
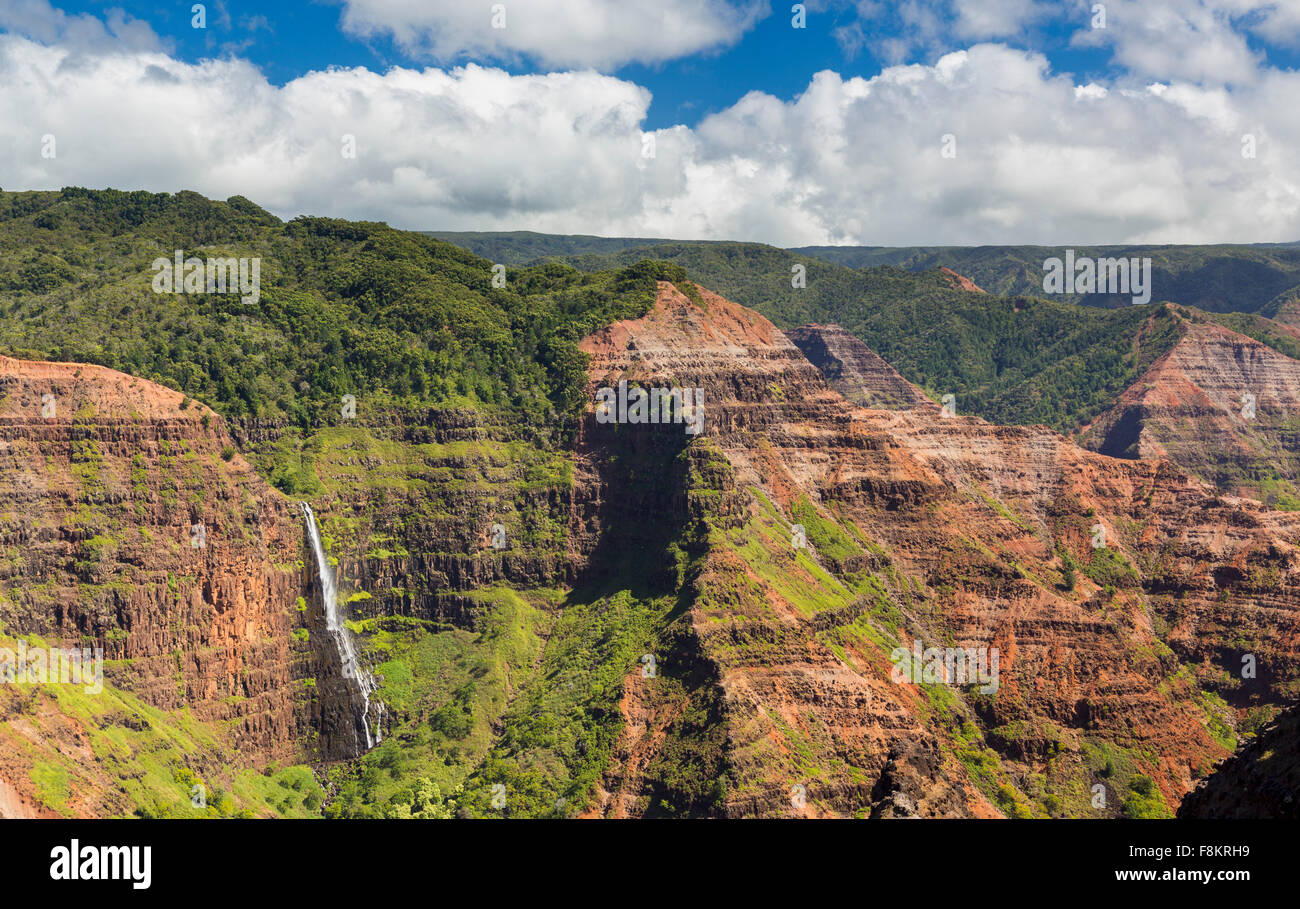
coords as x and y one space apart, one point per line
1123 597
128 522
1219 404
854 370
960 282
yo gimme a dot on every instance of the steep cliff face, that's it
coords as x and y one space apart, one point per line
855 370
1262 780
425 510
832 535
1220 405
129 523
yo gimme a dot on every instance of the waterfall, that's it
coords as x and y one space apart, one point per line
352 669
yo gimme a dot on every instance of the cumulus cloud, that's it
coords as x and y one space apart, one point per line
39 20
603 34
1039 158
1198 40
998 18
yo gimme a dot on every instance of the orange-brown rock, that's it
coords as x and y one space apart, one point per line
960 282
1219 404
969 532
855 370
129 523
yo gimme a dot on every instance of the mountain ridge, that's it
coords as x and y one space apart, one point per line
1216 278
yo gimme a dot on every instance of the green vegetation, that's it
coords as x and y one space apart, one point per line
1225 278
144 762
1228 278
1009 360
506 692
398 320
560 731
1109 568
1010 356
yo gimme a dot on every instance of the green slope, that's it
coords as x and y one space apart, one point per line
1228 278
1222 278
1010 360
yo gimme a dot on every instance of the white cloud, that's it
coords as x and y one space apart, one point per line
1197 40
39 20
1040 158
1277 21
998 18
602 34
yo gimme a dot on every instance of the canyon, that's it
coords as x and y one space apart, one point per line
1118 662
708 621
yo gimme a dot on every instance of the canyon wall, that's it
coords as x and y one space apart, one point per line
835 534
128 522
1220 405
669 623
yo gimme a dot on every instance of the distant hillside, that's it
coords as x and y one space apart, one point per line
1213 278
521 247
1009 360
1009 356
1220 405
1254 278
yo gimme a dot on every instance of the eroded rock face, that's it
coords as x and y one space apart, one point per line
810 538
1121 596
855 370
1262 780
411 502
961 282
1219 404
128 522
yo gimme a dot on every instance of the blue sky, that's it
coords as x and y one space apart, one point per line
1062 132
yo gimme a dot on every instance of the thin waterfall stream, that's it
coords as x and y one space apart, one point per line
347 650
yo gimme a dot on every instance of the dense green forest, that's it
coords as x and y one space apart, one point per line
1218 279
524 247
345 308
1228 278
